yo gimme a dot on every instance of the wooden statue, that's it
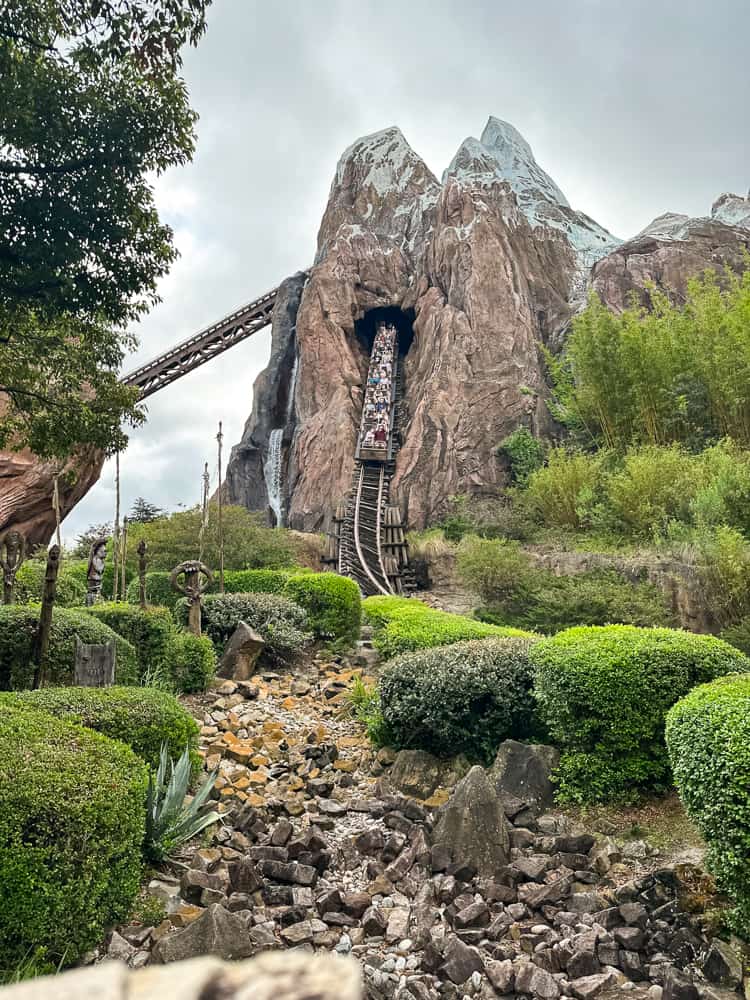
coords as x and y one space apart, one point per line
142 547
41 640
12 554
193 588
95 664
95 570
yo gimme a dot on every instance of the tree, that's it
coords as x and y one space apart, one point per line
142 512
91 107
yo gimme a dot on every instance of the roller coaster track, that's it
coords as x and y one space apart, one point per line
203 346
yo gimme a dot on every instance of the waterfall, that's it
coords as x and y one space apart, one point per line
272 472
292 388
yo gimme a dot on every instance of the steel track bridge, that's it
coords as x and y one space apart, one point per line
203 346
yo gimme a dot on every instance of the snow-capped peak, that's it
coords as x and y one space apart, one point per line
732 210
516 161
384 160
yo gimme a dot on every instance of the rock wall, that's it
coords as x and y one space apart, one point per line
491 262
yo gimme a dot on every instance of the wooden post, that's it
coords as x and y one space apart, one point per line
193 588
123 556
41 640
142 547
220 439
116 532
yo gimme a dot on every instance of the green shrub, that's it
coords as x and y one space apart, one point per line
524 452
404 624
604 693
498 570
71 589
708 736
18 626
281 622
364 704
72 811
141 717
738 635
654 487
149 631
159 591
190 661
332 602
562 492
463 698
724 571
599 597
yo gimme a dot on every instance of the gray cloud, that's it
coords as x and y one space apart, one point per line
634 109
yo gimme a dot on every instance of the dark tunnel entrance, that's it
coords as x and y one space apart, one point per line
403 320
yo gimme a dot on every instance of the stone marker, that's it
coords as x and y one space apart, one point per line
215 932
522 771
95 664
241 653
472 825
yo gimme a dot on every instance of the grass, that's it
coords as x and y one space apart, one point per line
660 821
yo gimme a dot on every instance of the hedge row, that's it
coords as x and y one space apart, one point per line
708 736
142 717
332 602
405 624
18 626
187 660
463 698
71 827
603 694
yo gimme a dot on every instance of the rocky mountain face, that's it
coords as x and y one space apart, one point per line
478 270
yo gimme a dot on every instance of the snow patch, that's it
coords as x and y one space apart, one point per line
387 160
732 210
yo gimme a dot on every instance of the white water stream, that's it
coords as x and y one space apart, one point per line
272 472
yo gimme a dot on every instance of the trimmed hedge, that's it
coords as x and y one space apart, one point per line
190 661
463 698
144 718
404 624
604 692
158 590
281 622
71 827
708 737
149 631
71 586
255 581
332 602
18 625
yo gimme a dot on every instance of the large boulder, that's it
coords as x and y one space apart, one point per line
522 771
418 773
472 825
241 653
215 932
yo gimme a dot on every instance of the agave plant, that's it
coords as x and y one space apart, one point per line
170 821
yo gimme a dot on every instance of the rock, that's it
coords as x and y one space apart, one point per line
502 975
473 915
460 960
418 773
374 922
722 965
398 923
107 981
290 873
588 987
241 653
215 932
119 949
522 771
678 986
472 825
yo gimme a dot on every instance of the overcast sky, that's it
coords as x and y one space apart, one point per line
634 109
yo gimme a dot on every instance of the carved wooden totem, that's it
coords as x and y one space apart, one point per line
95 570
193 588
12 553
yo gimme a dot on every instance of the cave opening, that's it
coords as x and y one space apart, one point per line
402 319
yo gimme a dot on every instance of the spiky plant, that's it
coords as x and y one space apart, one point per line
170 821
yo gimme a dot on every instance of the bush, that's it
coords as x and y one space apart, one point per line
141 717
281 622
71 589
332 602
524 452
599 597
498 570
463 698
654 487
159 591
604 693
403 624
71 827
190 661
708 736
724 570
561 493
149 631
18 626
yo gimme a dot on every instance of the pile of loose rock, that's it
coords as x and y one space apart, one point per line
482 896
